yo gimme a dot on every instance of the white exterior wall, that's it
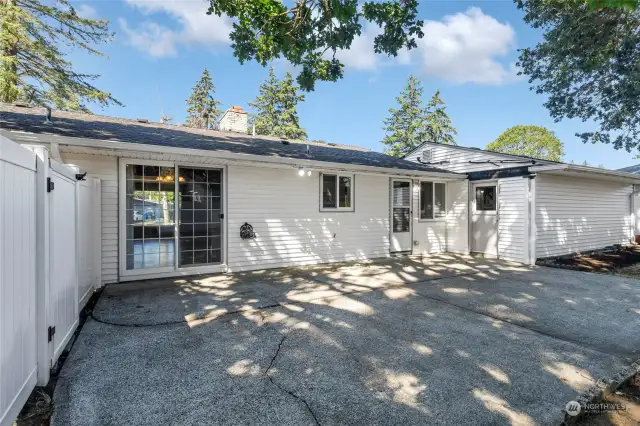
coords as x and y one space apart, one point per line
284 210
106 169
513 219
457 160
575 214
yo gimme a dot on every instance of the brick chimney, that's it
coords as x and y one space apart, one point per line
234 120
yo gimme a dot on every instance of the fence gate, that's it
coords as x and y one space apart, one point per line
63 275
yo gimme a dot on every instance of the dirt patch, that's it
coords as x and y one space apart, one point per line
628 395
616 260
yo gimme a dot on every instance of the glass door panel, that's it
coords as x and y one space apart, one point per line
150 216
200 224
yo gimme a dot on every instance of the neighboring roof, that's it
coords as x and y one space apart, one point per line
80 125
473 149
631 169
581 171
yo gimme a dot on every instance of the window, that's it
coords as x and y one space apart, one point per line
432 198
337 192
485 198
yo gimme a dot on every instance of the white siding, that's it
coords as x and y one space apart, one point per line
458 216
579 214
513 205
106 169
458 159
430 234
283 209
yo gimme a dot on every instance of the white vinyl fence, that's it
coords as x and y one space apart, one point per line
49 265
18 364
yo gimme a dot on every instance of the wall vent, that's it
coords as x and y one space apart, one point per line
427 155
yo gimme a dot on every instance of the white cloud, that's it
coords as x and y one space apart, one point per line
360 55
86 11
465 48
195 27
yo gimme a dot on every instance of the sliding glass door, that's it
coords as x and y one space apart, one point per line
150 217
172 217
200 216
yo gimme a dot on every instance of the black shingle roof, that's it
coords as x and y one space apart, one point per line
78 125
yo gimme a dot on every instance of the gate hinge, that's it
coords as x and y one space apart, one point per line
50 332
50 185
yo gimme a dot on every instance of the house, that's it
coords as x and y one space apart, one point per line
179 201
305 203
636 200
523 209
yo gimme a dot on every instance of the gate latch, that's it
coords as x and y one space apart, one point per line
50 185
50 332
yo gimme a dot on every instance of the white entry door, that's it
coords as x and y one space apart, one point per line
400 215
484 218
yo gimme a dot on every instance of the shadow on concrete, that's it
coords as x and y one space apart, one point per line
445 339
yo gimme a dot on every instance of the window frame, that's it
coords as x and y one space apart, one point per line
352 195
433 201
495 199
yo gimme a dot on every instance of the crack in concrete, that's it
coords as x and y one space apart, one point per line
283 389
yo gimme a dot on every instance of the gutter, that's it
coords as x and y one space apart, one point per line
24 137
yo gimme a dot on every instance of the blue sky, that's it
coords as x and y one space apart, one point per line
469 52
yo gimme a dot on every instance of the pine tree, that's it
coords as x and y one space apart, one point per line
405 125
438 126
32 66
203 111
276 106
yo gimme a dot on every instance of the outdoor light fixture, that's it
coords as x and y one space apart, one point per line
309 173
300 171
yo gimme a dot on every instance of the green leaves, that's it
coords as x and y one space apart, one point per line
203 111
33 66
410 125
588 65
308 33
529 141
276 107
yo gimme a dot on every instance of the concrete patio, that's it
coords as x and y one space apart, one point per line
445 339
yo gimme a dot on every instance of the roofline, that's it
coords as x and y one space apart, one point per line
472 149
585 169
32 138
